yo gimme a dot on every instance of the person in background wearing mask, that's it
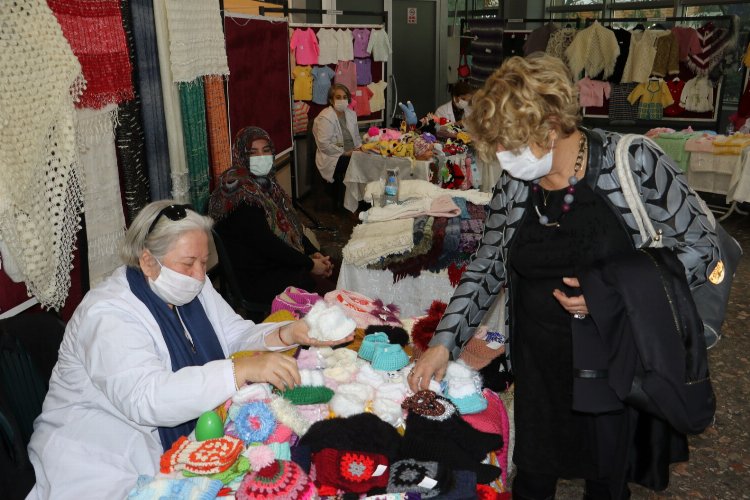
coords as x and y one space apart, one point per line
457 108
259 227
336 135
557 210
144 354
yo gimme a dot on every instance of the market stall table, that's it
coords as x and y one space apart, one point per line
367 167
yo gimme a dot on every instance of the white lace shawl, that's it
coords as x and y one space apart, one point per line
196 39
370 242
40 183
594 50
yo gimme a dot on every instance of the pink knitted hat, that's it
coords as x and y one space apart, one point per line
493 420
281 479
295 300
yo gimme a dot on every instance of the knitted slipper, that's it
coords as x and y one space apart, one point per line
204 457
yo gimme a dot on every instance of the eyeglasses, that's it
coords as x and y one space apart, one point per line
171 212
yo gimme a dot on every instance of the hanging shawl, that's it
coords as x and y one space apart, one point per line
95 33
715 44
237 186
40 186
205 346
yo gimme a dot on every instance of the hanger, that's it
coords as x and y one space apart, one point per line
657 26
639 26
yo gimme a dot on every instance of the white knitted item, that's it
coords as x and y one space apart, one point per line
252 392
196 39
370 242
286 413
328 322
417 188
594 50
105 220
40 178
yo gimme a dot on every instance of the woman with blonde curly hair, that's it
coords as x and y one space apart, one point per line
557 210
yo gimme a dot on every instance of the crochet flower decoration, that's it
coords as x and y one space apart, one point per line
428 404
254 422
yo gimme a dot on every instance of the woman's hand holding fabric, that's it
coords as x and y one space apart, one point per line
297 333
430 365
576 304
272 367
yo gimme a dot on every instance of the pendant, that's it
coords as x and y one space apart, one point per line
544 220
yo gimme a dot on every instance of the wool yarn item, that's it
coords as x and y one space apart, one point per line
367 349
238 469
424 328
364 310
204 457
478 352
328 322
361 432
96 35
308 395
494 420
295 300
255 422
217 124
464 486
396 334
281 479
148 487
428 479
193 115
350 471
389 357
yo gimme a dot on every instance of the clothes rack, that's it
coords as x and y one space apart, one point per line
325 12
677 19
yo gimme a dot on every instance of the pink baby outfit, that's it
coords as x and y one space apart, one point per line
305 46
346 74
592 92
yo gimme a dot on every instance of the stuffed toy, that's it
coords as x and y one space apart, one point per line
429 137
404 149
422 149
409 114
387 148
372 136
463 137
452 177
389 134
371 147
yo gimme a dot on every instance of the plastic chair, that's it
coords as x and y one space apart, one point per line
29 344
229 286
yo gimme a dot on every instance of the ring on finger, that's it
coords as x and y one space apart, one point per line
579 315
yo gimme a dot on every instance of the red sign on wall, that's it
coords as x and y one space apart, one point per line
411 15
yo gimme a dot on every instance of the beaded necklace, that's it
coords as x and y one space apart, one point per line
569 195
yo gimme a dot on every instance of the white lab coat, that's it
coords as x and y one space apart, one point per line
446 111
113 385
329 139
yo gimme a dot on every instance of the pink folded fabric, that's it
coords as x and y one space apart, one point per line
444 206
296 300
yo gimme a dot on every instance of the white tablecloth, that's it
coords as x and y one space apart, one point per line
739 185
412 295
367 167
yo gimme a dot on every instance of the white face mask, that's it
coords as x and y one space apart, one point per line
175 288
462 104
340 105
260 165
524 165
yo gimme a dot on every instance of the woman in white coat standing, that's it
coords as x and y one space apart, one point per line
144 354
336 134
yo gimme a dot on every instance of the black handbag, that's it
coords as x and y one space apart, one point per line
711 297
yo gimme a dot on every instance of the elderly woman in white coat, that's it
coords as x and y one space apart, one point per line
336 134
144 354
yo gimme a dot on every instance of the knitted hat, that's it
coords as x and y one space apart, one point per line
487 492
295 300
497 375
434 431
204 457
328 322
350 471
396 334
389 357
494 420
428 479
361 432
364 310
482 348
281 479
367 349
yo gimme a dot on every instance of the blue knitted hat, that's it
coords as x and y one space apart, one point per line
367 349
389 357
473 403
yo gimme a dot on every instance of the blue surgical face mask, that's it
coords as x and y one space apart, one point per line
524 165
260 165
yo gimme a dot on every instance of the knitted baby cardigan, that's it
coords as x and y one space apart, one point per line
40 179
593 50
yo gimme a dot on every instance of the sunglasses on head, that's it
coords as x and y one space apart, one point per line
171 212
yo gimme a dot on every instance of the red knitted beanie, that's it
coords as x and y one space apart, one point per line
350 471
281 479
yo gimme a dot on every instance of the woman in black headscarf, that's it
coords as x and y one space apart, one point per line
259 226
